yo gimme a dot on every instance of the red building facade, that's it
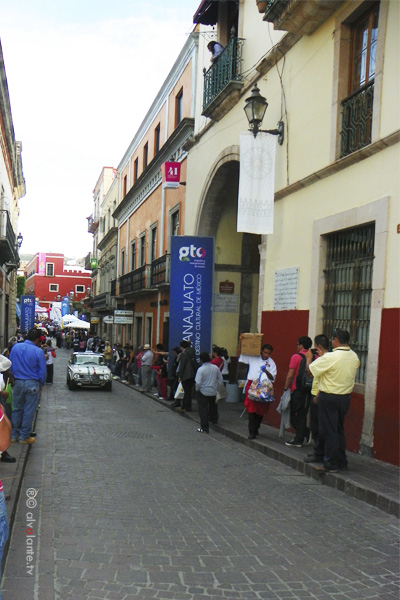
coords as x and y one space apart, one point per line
49 279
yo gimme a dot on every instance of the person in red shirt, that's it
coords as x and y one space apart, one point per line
217 359
299 401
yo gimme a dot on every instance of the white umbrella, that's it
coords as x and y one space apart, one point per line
68 319
78 324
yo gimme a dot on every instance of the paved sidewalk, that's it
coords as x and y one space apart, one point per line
368 480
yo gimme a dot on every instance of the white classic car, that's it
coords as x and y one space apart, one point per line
88 369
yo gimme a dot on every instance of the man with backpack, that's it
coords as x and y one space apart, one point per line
299 383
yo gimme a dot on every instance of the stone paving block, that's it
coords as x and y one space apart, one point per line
192 517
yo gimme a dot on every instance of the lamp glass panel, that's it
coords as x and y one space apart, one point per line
255 110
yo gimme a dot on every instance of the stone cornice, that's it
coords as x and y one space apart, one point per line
340 164
180 64
150 179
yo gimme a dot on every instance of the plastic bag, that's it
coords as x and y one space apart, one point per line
221 393
180 392
10 395
261 391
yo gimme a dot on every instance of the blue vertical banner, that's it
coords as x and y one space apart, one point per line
27 313
191 292
65 306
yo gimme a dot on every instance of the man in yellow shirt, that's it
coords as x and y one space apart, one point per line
336 372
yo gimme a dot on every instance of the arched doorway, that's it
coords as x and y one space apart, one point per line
237 258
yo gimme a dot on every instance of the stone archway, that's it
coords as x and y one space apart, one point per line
217 216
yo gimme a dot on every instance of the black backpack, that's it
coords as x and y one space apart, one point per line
304 381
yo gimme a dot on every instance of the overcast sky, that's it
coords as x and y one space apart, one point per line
81 77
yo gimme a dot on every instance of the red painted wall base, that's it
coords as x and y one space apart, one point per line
282 328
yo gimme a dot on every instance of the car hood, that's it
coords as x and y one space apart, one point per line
90 369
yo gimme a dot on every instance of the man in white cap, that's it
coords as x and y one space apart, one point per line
147 361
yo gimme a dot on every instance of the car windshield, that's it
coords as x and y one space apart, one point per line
89 360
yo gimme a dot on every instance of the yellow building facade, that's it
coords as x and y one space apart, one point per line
331 75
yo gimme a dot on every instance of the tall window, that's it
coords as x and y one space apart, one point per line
145 155
142 257
153 248
149 330
175 223
50 269
125 186
348 287
178 107
122 262
357 107
133 256
139 332
365 33
135 170
157 139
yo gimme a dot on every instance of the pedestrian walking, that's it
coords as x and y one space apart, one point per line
208 379
257 410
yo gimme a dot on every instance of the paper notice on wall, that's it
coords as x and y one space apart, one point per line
285 290
256 183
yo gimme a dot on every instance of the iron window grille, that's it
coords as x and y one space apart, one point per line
348 287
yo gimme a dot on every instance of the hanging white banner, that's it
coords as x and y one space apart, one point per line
256 183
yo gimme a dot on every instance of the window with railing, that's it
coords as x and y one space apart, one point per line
160 270
225 68
357 108
348 287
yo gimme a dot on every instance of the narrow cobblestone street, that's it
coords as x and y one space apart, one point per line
122 499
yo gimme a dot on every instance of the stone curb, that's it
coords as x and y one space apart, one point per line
337 481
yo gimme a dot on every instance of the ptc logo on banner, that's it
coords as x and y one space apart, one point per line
188 252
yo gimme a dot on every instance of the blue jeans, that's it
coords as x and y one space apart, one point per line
3 527
25 399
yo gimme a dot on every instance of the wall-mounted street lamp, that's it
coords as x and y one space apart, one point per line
255 108
20 239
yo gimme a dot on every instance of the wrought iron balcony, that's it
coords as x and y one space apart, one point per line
300 16
102 300
134 281
87 261
357 120
160 271
223 80
8 244
93 223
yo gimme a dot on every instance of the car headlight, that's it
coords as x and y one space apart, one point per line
76 375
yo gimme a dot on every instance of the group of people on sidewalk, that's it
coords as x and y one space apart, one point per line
23 372
318 385
317 407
